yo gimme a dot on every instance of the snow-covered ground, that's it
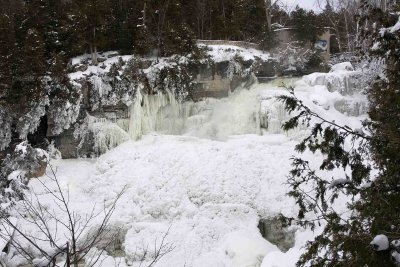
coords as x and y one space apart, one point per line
204 189
210 193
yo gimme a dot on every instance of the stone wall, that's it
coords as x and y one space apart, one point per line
245 45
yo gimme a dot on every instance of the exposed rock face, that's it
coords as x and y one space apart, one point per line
211 81
71 147
221 78
265 69
40 170
273 231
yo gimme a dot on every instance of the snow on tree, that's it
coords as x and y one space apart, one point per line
15 170
5 128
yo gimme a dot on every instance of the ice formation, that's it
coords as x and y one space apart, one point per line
209 118
106 134
152 113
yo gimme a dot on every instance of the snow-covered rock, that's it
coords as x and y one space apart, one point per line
341 78
344 66
246 248
380 242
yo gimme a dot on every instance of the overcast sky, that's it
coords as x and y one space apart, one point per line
306 4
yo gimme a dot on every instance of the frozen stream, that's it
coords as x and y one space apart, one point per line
207 172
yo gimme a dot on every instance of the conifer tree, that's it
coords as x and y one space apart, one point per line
92 17
306 26
350 239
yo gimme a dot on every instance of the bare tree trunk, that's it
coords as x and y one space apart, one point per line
349 49
144 13
160 27
68 254
268 13
200 18
203 15
224 16
210 27
93 48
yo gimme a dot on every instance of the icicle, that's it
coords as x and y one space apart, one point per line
106 134
154 113
211 118
274 115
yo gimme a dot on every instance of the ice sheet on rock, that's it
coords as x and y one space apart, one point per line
341 78
106 134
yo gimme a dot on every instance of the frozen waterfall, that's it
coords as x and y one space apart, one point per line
245 111
154 113
240 113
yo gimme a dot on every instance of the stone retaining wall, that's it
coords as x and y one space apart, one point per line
245 45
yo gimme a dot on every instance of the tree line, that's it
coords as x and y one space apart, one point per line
168 26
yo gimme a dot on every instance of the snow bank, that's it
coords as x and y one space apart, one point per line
246 248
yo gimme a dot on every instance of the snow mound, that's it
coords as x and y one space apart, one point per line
344 66
246 248
380 242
